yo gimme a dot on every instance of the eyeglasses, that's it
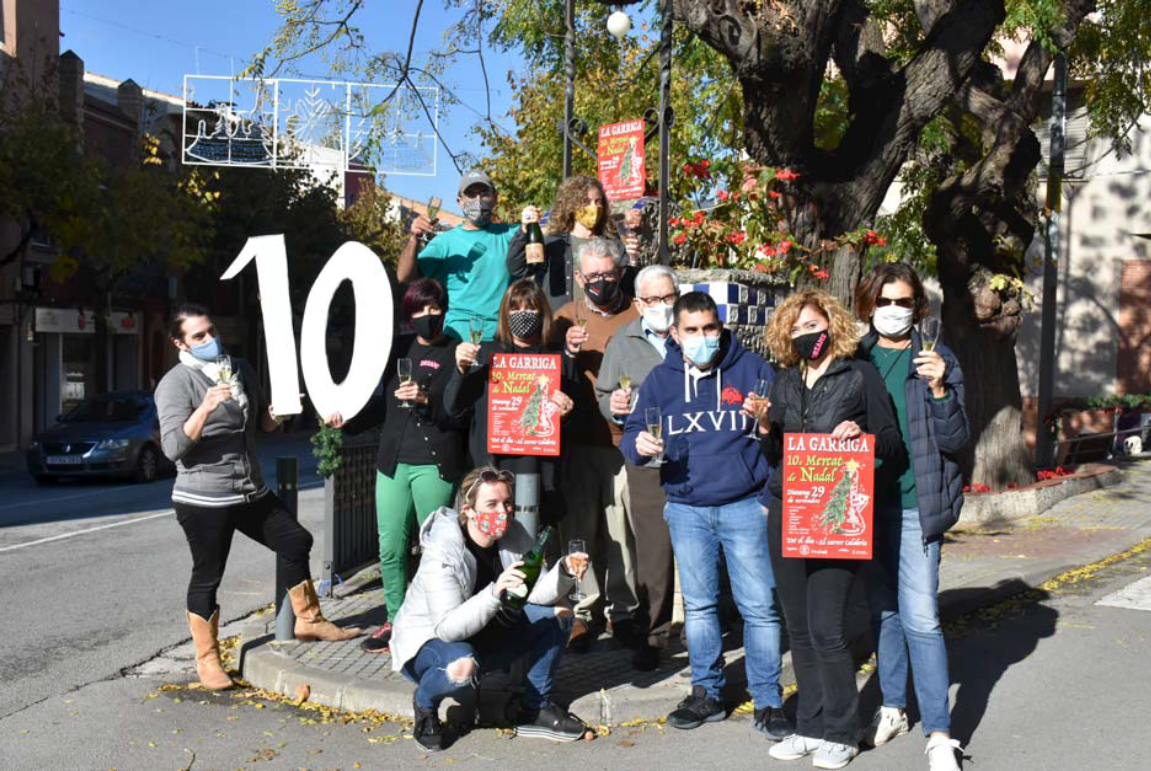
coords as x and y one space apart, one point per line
488 477
902 302
591 278
667 299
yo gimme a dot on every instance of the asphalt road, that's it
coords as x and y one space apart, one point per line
1053 681
94 576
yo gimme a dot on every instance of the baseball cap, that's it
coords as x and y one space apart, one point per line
476 177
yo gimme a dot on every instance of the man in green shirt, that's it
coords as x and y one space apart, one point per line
470 260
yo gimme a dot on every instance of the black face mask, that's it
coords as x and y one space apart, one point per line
429 325
525 324
811 345
602 292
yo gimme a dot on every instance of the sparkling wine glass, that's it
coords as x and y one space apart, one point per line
577 561
224 369
929 329
653 418
476 332
404 370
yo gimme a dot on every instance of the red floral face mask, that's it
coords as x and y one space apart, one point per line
492 523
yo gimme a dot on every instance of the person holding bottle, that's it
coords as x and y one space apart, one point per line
210 410
421 454
822 389
919 501
457 623
581 211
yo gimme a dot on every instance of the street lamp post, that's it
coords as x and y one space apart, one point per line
658 120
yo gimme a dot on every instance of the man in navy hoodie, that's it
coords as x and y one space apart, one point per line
712 470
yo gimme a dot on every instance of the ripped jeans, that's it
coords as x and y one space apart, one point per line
539 635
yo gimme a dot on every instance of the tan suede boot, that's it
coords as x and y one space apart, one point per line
310 622
208 668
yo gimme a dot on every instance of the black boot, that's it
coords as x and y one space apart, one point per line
428 731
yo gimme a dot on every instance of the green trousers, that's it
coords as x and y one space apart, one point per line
417 489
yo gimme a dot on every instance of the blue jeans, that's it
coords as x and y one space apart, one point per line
539 635
697 533
905 610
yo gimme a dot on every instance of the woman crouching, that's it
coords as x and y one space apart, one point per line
452 627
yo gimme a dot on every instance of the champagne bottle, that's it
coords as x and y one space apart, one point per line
535 244
515 599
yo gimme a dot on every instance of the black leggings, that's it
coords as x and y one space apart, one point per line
209 532
814 594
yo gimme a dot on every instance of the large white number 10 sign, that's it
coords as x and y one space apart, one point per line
352 262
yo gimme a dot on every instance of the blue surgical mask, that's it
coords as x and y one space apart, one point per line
701 349
208 351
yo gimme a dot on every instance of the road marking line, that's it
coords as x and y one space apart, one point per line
1136 596
88 494
62 536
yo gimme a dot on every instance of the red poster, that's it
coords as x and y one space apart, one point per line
522 420
621 169
828 496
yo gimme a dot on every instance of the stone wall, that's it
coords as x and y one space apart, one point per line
745 299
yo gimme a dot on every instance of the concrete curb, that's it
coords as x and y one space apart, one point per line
1033 500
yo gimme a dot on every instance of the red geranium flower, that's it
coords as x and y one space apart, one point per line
786 175
821 275
774 195
681 238
722 195
784 246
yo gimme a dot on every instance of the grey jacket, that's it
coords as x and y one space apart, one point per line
440 603
628 352
221 468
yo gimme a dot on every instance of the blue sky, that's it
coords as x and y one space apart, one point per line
156 44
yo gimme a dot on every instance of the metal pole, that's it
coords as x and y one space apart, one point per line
1043 447
665 119
288 489
570 73
528 501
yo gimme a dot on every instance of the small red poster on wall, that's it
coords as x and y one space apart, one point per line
828 496
621 167
522 419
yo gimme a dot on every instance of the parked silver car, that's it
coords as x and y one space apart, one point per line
116 434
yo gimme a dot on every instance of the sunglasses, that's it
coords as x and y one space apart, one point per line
488 477
902 302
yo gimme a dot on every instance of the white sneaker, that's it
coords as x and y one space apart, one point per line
794 747
834 755
889 722
941 753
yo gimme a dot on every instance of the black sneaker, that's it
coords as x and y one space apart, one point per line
428 731
551 722
646 659
697 709
772 723
378 642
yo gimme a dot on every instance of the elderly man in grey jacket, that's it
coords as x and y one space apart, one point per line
453 626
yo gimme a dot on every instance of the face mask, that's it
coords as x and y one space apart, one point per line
811 345
602 292
494 523
478 211
589 216
892 321
658 318
208 351
429 325
525 324
701 349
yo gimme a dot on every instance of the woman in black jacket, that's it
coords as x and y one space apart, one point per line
581 211
421 455
524 326
924 497
823 389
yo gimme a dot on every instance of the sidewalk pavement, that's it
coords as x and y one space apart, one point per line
981 566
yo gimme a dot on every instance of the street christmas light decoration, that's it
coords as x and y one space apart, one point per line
618 24
289 123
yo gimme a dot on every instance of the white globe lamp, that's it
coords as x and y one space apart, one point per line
619 24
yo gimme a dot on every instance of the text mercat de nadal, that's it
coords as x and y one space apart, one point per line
821 468
504 382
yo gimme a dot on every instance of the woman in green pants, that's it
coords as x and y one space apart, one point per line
421 454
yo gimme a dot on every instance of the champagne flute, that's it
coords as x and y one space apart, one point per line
654 420
577 561
625 384
929 329
224 369
581 316
433 212
762 388
476 332
404 370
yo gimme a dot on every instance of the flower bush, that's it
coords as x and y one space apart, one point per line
748 226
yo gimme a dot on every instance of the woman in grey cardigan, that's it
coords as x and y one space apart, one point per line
210 408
